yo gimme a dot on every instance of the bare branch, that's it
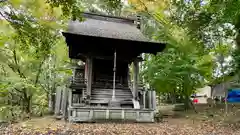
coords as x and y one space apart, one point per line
18 90
17 66
39 71
44 88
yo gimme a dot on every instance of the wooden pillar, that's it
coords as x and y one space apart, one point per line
129 78
69 105
74 73
86 71
135 78
89 76
144 99
70 98
153 100
150 99
114 75
65 100
58 100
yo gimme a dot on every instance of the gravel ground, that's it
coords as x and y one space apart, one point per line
176 127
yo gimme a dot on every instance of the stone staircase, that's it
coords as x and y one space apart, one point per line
102 97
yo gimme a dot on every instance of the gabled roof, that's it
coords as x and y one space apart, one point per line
107 27
101 33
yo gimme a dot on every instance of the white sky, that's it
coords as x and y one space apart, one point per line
4 9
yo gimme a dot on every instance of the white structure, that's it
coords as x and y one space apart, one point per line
203 94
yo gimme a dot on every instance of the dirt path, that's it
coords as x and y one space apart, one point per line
49 126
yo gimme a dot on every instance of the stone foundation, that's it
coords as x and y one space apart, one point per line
110 114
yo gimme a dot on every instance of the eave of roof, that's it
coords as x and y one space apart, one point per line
110 28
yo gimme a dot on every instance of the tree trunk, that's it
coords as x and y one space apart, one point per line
27 100
50 103
187 104
159 98
28 106
223 81
173 97
226 103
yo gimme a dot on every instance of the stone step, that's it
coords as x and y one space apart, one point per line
109 97
104 91
96 101
103 98
108 87
110 92
106 101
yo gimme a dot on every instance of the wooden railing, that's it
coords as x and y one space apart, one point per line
78 80
77 83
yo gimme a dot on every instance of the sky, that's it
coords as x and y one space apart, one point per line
4 9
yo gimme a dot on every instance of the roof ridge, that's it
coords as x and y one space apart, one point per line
109 17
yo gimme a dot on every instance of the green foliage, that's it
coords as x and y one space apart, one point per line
28 44
215 14
109 7
195 44
69 7
33 54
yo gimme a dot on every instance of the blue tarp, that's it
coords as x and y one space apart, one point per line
233 96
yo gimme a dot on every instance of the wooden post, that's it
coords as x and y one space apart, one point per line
58 101
69 105
74 73
62 99
129 78
114 75
86 70
123 114
65 101
144 99
89 76
70 98
150 99
135 78
153 100
107 114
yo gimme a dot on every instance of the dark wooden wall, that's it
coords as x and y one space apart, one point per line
103 70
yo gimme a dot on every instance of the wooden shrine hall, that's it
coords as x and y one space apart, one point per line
101 87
